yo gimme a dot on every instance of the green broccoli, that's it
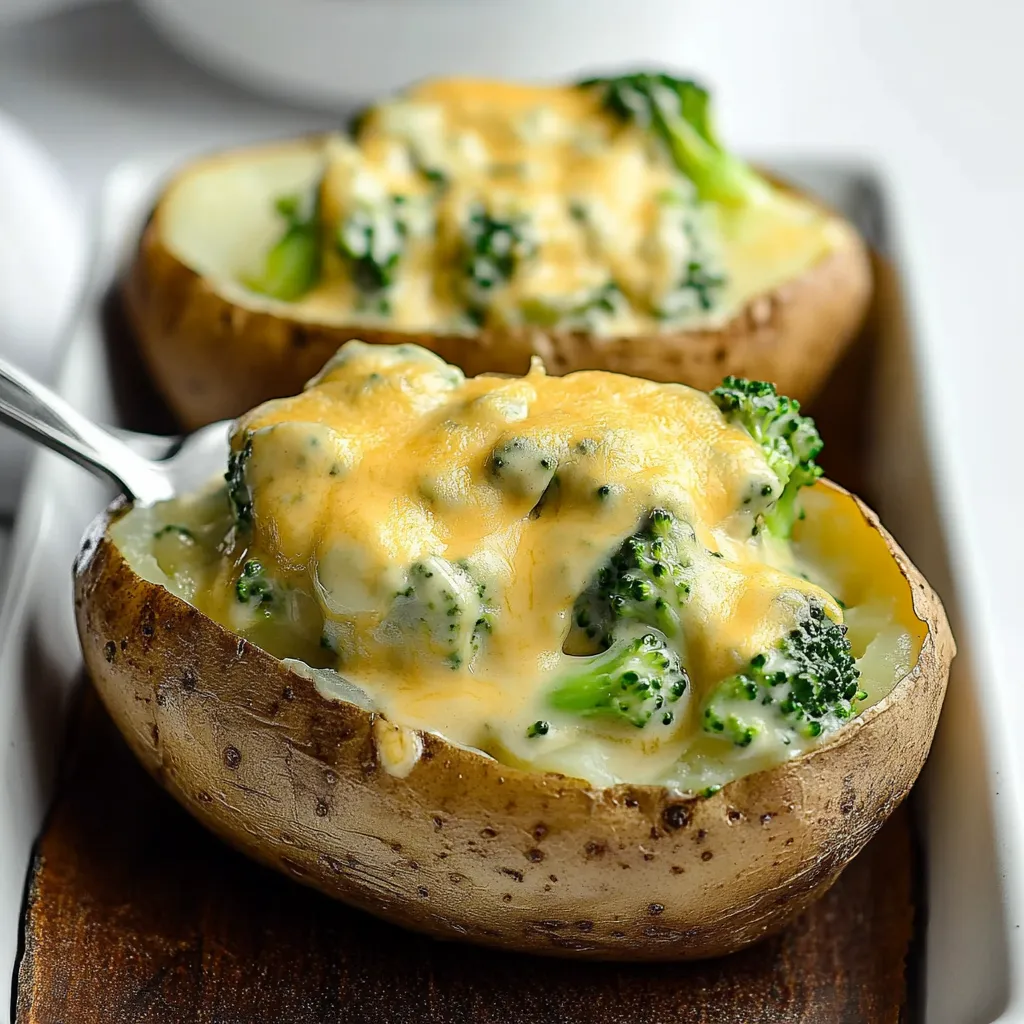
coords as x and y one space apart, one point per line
523 467
239 494
678 111
634 680
645 581
807 684
444 607
253 587
790 442
292 266
493 247
372 240
702 284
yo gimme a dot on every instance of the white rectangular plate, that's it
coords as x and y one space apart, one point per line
970 817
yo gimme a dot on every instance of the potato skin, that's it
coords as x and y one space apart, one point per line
213 358
464 847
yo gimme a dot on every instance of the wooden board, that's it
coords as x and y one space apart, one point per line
135 914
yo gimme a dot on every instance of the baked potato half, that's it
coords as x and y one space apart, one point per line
393 790
598 225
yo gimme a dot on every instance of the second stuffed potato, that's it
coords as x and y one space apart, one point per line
600 225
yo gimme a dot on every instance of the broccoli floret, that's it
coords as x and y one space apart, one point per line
678 111
444 607
239 494
523 467
645 581
806 684
493 248
701 276
372 240
292 266
702 284
790 442
634 680
253 587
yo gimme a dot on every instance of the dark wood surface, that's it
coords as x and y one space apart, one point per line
135 914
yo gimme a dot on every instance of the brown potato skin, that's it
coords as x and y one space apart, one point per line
213 359
467 848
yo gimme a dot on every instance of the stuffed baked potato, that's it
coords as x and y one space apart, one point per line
582 665
599 225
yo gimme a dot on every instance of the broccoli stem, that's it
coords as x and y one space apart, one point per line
678 111
292 266
718 176
636 679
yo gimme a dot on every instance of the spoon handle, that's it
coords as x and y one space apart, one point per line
35 411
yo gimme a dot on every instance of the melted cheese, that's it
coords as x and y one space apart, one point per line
502 498
610 225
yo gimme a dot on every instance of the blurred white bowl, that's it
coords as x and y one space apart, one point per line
340 52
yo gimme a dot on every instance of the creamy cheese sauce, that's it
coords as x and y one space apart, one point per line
598 204
465 203
421 539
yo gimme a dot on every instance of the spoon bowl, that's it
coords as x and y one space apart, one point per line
145 468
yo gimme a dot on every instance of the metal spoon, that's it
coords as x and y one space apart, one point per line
144 467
